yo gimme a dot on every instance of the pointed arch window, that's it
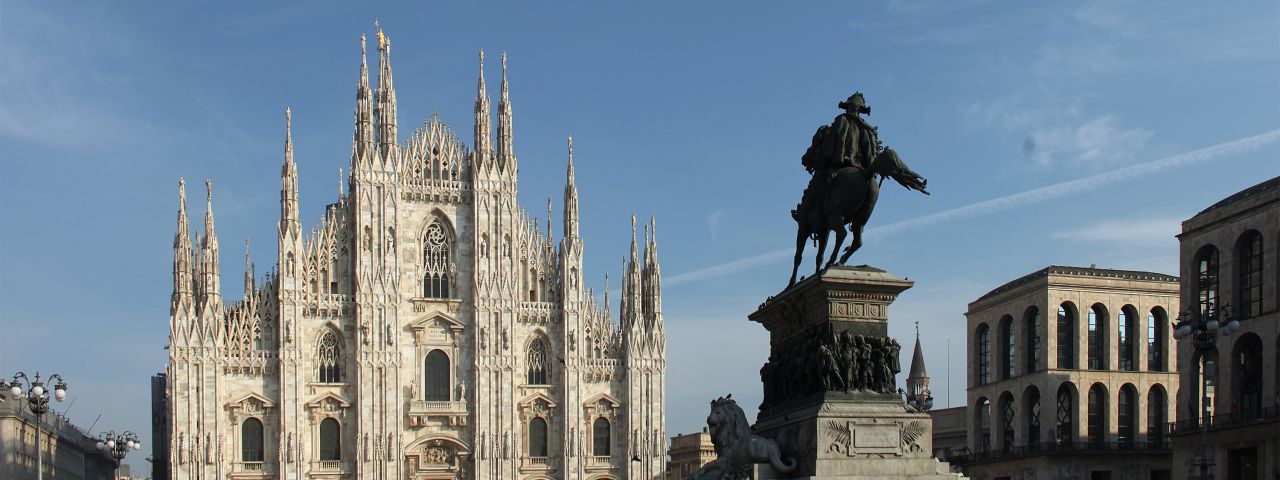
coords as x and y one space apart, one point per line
1207 281
1249 286
437 261
538 362
251 440
437 377
1066 336
600 437
537 437
329 358
330 440
1157 415
1066 428
984 354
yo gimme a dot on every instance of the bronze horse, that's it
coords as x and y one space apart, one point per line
849 198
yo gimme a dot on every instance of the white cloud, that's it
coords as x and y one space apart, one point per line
1100 141
1127 231
714 221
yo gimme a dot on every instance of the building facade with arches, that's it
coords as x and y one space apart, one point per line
1071 376
1231 271
428 327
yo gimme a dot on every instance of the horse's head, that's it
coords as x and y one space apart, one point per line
889 164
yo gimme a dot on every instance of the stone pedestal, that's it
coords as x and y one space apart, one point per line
830 401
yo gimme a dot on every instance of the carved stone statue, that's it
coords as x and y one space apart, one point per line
737 450
846 351
847 164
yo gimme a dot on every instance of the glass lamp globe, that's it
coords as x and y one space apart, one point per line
129 444
102 446
38 390
111 444
16 391
60 393
1212 325
137 445
1233 325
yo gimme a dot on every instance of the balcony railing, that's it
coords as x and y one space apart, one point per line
1231 419
599 461
252 466
1160 446
331 465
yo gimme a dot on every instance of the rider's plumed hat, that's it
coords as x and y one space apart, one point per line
857 103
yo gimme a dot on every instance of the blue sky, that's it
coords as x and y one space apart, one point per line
1128 117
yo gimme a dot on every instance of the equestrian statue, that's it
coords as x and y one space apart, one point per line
847 163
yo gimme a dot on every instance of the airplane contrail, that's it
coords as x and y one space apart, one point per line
1007 202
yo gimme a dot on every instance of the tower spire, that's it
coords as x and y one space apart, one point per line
182 254
386 96
918 394
506 153
362 137
248 270
288 179
210 288
483 131
570 198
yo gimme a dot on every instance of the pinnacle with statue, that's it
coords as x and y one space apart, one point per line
831 407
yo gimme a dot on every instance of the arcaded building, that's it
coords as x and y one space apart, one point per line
1071 376
1229 265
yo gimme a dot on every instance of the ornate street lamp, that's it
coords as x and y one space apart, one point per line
1204 330
117 446
38 401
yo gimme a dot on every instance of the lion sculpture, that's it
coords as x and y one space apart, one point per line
736 448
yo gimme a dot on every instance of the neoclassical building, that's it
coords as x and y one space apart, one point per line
427 326
1230 272
1071 376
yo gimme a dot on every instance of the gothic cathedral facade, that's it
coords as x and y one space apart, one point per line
428 327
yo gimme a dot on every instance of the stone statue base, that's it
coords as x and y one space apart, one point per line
830 405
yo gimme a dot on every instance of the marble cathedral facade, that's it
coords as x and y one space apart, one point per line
427 327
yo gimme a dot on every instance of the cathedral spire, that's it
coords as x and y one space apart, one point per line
288 180
248 270
386 96
631 286
918 394
506 153
362 137
483 131
182 253
652 282
570 199
210 287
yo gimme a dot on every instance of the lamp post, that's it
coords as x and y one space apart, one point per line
38 401
117 446
1204 330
